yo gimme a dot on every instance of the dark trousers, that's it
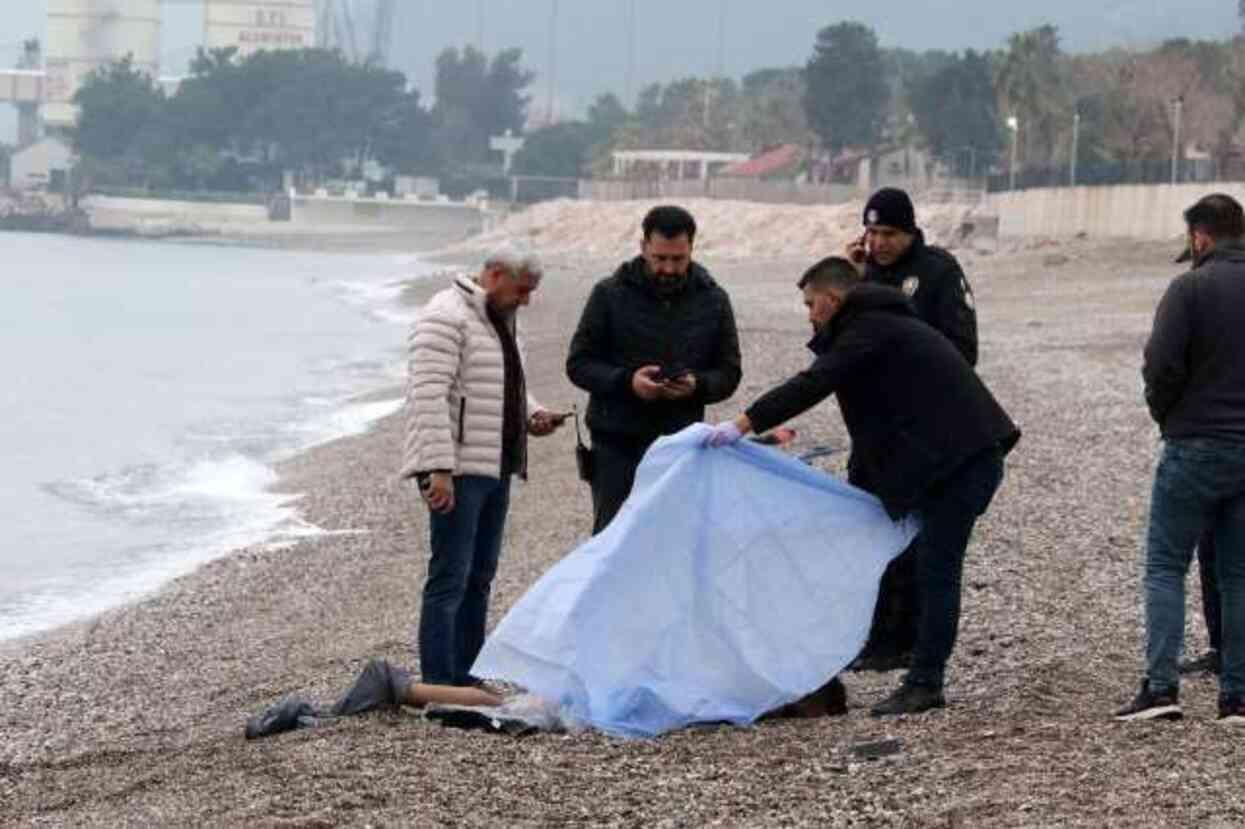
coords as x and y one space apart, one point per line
1212 608
948 515
466 544
898 607
614 460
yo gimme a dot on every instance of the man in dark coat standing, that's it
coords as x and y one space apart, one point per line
1194 374
893 252
656 343
927 438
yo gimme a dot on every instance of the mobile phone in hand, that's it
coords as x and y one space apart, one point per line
669 375
860 252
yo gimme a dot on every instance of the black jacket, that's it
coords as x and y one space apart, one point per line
915 410
1194 367
939 291
627 325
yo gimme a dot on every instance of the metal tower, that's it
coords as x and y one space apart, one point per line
361 29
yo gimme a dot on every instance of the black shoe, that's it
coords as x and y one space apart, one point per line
909 699
1148 705
1207 663
287 715
1232 710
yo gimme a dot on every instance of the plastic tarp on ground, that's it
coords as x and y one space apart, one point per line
732 581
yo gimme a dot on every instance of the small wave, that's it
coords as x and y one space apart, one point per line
380 300
71 597
353 419
146 487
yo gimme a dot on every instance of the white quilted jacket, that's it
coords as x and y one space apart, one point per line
455 386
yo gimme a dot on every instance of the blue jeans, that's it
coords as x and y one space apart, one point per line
1199 483
466 544
948 515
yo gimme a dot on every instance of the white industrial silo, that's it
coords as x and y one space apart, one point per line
251 25
83 35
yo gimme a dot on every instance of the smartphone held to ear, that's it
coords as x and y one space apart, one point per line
858 252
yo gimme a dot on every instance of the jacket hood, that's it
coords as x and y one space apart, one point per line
635 272
864 298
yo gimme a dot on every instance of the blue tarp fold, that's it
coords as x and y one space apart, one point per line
732 581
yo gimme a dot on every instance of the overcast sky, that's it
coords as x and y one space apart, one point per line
674 39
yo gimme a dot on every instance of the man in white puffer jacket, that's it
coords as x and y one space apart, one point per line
468 418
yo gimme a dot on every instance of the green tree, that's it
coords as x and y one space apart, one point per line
606 115
847 93
477 99
563 149
689 113
122 122
1030 85
956 112
405 138
771 109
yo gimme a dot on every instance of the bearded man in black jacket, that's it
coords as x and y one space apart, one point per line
656 343
927 438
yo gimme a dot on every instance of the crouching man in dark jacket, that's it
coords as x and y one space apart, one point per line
927 437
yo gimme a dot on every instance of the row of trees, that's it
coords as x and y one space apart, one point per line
239 124
853 93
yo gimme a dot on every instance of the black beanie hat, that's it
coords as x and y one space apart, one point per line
891 206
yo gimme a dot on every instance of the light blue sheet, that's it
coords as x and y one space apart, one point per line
732 581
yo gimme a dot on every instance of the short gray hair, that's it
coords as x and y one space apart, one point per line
518 260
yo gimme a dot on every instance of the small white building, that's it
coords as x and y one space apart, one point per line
672 164
34 166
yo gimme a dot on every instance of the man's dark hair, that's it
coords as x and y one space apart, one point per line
670 221
1219 215
831 273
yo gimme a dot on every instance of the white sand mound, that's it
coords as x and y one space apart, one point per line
726 229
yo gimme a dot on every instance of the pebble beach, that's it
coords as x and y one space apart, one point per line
135 717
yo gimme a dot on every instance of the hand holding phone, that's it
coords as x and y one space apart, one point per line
666 374
857 251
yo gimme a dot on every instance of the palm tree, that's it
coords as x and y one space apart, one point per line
1029 85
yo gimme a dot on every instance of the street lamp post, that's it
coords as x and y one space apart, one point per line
1177 112
1013 124
1076 139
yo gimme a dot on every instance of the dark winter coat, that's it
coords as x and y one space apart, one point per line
627 325
1194 368
939 291
915 409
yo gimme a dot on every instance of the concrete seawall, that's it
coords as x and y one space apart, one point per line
431 224
420 225
1135 211
187 212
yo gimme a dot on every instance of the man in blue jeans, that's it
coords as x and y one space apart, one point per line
1194 375
468 418
928 438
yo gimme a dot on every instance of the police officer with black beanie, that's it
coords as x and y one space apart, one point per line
893 252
